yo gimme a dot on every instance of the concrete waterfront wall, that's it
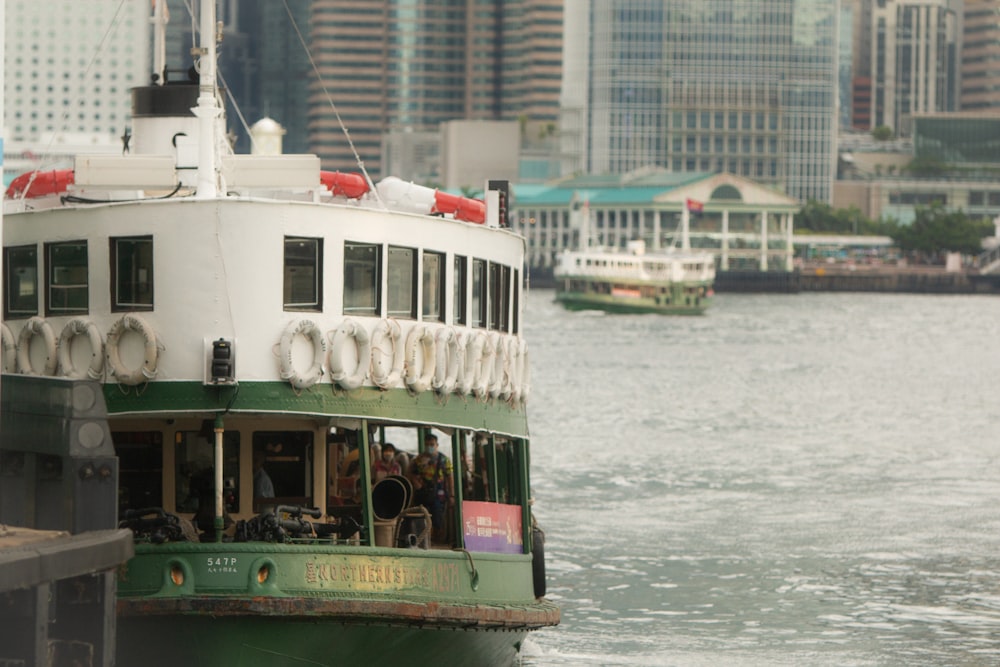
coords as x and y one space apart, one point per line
913 280
900 280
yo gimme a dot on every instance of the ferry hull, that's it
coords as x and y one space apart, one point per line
636 305
259 641
250 604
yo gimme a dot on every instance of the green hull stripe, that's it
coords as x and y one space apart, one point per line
616 305
323 400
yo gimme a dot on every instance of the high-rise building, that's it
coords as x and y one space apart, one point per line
263 65
981 55
845 55
69 66
914 60
748 87
391 66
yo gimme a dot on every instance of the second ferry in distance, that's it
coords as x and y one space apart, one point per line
670 282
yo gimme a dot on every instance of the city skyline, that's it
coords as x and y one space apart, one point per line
757 88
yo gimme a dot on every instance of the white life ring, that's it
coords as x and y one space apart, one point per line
78 327
497 341
517 379
351 333
511 370
387 354
9 349
446 370
308 329
481 388
36 326
473 362
466 368
420 367
145 371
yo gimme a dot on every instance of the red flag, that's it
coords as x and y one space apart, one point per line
695 206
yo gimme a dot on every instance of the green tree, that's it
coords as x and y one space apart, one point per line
818 216
935 230
882 133
926 166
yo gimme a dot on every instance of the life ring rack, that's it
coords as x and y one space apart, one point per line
36 326
144 372
80 327
308 329
9 344
350 332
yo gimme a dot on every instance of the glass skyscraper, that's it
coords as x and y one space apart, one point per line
402 66
743 86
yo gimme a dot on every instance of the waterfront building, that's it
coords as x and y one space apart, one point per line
950 160
746 225
705 85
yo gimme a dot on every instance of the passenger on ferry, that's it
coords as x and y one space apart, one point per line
387 465
433 484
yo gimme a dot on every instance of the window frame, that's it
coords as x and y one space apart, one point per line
117 305
50 283
433 289
11 265
374 308
287 290
460 289
394 270
479 294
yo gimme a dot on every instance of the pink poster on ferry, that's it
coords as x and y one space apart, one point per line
492 527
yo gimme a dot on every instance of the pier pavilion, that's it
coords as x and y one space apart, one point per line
747 226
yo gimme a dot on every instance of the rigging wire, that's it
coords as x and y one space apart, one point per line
329 99
115 20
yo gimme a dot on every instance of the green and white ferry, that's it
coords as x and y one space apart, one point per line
242 307
674 281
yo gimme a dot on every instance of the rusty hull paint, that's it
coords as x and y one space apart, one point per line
533 616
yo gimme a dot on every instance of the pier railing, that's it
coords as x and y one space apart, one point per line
989 261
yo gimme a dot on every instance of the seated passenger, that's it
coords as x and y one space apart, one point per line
386 465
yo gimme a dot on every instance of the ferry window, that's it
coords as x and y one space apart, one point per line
20 281
496 465
433 287
287 459
516 297
361 278
459 290
303 274
194 470
132 273
479 299
401 273
66 278
499 296
140 469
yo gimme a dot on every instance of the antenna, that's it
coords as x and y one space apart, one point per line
208 109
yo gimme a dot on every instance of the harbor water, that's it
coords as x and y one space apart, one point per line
808 479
